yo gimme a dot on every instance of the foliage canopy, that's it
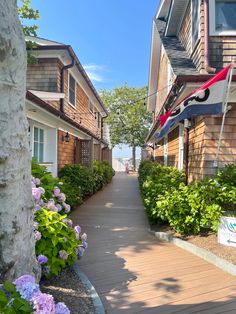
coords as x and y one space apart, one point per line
128 118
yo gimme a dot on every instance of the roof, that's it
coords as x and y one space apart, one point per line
43 41
44 44
180 62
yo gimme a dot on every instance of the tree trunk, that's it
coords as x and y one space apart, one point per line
134 157
17 253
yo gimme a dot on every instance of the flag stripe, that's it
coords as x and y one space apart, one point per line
206 100
191 111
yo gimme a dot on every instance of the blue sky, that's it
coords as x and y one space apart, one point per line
111 38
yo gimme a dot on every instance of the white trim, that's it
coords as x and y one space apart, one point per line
155 55
212 22
69 73
166 150
181 147
89 105
51 96
39 127
194 22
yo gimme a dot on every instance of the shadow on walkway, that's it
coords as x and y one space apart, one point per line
135 273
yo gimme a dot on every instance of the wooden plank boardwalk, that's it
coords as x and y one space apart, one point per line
133 272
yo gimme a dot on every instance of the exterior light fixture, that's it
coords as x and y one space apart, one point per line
66 138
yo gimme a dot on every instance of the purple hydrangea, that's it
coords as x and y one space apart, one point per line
36 192
56 191
62 197
43 303
80 251
61 308
33 185
84 237
37 235
85 244
66 207
27 290
59 207
63 254
23 280
77 229
42 190
42 259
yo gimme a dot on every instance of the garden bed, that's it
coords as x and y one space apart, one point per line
68 288
207 241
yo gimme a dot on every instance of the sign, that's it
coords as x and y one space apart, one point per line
227 231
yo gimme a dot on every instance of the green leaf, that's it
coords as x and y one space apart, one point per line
9 286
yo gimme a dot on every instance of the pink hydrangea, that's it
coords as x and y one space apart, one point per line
43 303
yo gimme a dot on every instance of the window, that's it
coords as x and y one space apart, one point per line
72 92
225 13
223 17
98 120
39 144
195 22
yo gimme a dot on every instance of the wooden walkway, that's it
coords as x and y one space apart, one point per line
133 272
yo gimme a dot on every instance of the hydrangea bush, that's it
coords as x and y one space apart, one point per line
58 244
24 296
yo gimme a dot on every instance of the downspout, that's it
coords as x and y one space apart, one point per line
65 67
206 38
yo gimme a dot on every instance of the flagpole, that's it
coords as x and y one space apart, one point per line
226 109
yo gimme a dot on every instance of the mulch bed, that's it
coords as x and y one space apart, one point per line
207 241
68 288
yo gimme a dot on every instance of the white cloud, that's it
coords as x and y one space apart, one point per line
95 72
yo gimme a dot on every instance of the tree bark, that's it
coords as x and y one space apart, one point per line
134 156
17 247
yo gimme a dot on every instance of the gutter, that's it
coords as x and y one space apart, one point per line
44 105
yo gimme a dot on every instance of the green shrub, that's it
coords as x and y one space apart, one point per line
79 179
155 180
58 240
102 174
79 182
227 175
188 209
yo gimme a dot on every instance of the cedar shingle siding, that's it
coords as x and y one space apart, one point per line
186 57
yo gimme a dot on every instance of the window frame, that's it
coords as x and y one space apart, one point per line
38 142
70 74
212 22
194 44
89 106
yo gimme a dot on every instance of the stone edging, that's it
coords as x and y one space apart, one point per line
99 309
206 255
